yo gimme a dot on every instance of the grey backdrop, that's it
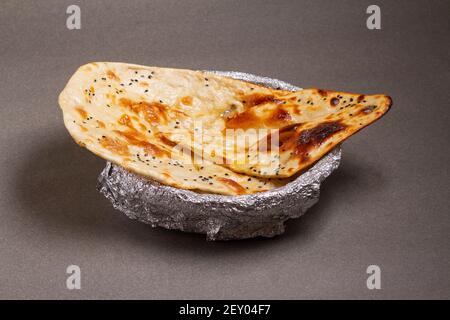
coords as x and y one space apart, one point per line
388 204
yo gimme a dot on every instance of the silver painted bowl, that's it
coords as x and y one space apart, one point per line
220 217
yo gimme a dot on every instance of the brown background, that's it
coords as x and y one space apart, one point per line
388 204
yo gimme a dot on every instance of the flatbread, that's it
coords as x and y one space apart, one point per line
148 120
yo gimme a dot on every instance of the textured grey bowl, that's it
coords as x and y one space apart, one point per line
219 217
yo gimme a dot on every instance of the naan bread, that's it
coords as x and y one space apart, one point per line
148 120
